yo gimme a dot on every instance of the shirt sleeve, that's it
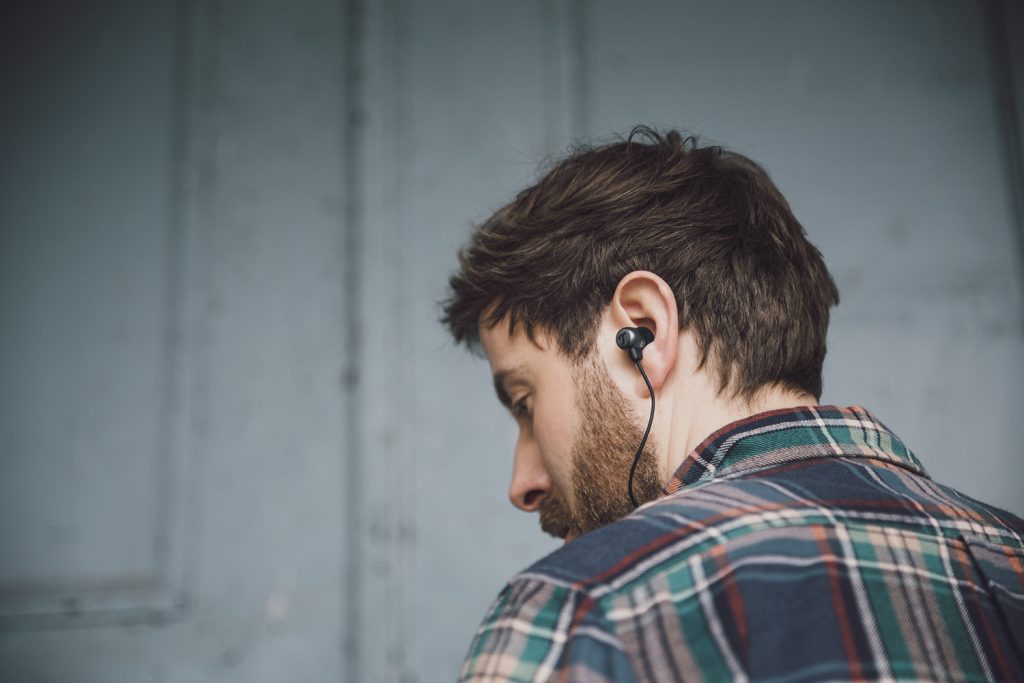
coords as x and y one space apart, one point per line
536 631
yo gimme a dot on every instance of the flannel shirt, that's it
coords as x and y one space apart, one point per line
794 545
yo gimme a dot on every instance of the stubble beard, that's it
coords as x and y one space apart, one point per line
602 454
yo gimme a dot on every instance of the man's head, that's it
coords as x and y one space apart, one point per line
696 244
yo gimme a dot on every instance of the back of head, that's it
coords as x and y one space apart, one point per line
749 285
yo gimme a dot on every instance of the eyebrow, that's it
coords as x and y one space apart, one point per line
501 379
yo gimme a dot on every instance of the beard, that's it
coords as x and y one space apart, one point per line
602 454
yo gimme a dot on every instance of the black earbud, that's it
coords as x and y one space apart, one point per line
633 340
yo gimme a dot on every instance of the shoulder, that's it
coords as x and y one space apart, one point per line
551 617
673 528
538 628
724 577
580 609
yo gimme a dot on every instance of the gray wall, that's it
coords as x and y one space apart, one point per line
234 442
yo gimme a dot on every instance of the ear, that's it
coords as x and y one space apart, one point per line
644 299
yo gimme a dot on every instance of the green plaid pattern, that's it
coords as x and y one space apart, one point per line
796 545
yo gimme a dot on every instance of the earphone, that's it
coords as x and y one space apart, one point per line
633 340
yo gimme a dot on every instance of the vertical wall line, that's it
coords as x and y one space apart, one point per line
566 87
1006 114
402 466
167 486
556 118
352 474
204 126
579 46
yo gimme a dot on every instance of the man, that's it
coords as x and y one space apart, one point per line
776 539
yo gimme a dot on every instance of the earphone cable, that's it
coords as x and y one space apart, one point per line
643 441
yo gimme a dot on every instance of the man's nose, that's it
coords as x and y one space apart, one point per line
530 479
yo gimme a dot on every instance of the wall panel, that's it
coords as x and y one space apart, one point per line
254 189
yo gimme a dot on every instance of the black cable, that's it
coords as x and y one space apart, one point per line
643 441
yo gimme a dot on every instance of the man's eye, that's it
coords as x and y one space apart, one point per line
520 409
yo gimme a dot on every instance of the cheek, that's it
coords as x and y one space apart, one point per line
553 429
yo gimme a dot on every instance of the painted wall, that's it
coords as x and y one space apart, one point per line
235 445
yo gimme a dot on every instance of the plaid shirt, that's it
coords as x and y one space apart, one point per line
799 544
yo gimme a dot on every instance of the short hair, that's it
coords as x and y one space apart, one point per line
710 222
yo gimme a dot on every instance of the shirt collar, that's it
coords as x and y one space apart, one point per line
790 434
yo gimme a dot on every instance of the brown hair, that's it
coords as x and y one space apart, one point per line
708 221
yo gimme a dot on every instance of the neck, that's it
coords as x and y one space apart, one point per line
697 412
